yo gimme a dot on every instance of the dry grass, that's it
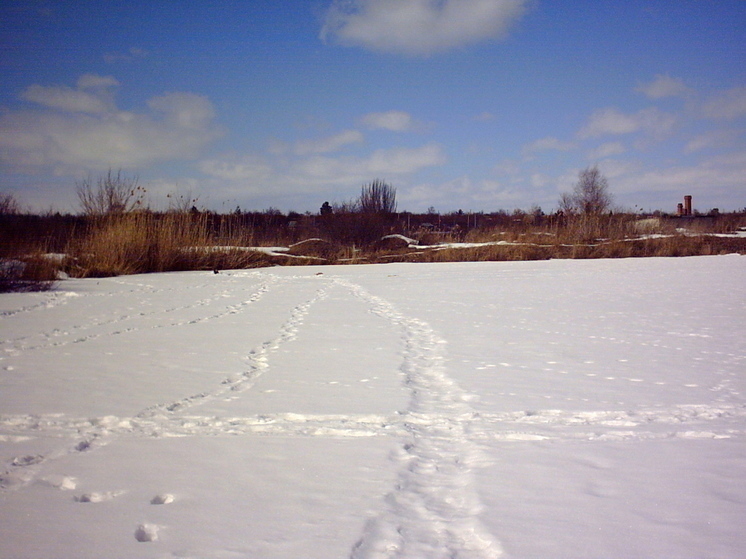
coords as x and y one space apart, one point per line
25 264
672 245
30 272
606 236
144 242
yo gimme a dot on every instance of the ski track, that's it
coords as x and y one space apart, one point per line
433 510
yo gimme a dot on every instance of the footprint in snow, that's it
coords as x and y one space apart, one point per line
98 497
162 499
63 483
28 460
147 532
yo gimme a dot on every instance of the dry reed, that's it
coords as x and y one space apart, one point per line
142 242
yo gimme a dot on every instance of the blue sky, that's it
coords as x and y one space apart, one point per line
476 105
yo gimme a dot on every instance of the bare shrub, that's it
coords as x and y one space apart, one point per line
354 229
9 204
110 195
182 203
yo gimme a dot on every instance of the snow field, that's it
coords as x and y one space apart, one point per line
530 409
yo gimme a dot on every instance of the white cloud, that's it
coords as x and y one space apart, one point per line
93 94
381 163
611 121
232 168
64 99
329 144
715 174
711 139
406 160
287 174
184 110
419 27
539 180
727 105
72 130
462 193
663 86
395 121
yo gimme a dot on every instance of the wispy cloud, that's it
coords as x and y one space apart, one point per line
419 27
380 163
233 168
711 176
663 86
549 143
285 174
712 139
329 144
611 121
77 129
485 116
93 94
463 193
607 150
395 121
727 105
133 53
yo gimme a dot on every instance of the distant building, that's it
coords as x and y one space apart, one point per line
685 209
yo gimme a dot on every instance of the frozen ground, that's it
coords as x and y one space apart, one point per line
559 409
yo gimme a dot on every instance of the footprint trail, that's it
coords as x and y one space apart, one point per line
434 508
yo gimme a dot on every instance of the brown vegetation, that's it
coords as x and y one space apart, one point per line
141 241
28 272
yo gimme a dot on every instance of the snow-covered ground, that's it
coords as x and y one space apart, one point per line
558 409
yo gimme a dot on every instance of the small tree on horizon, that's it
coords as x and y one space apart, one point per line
590 196
9 204
377 197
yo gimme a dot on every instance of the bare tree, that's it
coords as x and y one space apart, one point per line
590 195
378 197
112 194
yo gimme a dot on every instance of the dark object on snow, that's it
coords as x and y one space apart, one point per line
216 271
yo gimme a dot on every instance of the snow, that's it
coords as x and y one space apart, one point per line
563 408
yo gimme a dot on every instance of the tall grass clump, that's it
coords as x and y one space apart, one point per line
28 272
361 222
143 242
24 262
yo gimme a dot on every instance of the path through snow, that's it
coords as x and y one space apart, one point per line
257 354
